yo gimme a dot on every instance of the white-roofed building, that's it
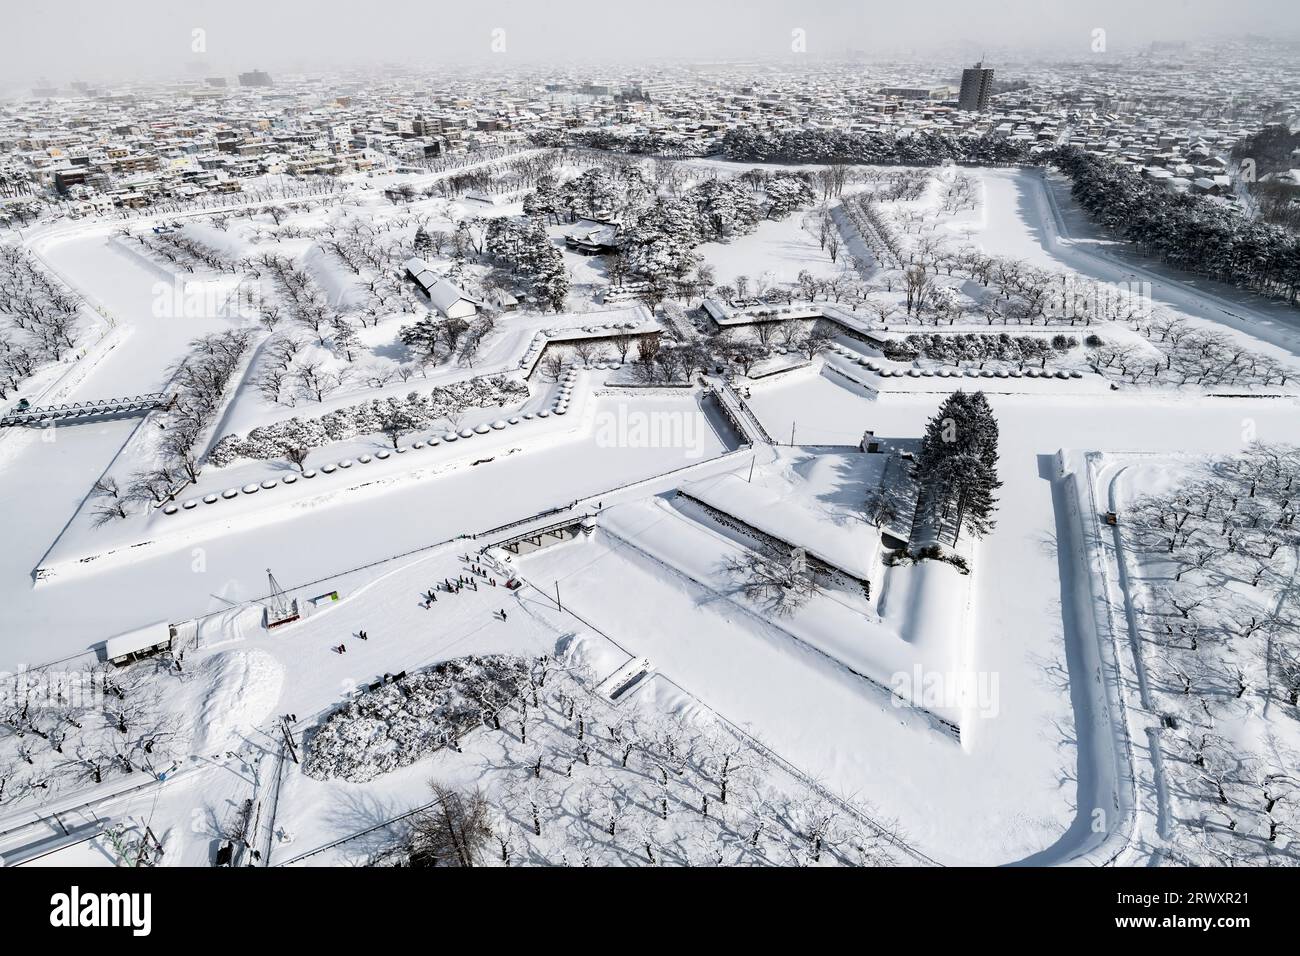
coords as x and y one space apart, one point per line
418 271
452 301
138 642
449 299
592 238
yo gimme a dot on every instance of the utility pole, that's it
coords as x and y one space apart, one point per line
792 424
750 479
557 596
288 739
257 819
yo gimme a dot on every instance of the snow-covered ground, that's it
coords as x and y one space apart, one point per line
1011 758
776 251
1025 592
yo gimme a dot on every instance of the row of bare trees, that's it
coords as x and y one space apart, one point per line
180 249
577 781
1188 356
200 380
39 318
61 731
1222 618
1024 294
656 362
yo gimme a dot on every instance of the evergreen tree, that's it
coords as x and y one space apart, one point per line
544 200
956 467
423 244
785 194
964 483
423 336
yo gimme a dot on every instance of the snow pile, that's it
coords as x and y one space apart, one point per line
227 625
924 603
243 688
589 654
396 724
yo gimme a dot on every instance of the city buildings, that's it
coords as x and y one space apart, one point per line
255 78
97 147
976 85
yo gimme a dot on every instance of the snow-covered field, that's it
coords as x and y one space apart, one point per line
982 718
775 251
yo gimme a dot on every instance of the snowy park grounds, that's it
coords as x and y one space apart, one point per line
779 249
216 566
607 772
1025 591
1199 619
1011 702
255 493
646 763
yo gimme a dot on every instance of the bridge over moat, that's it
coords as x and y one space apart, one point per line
36 415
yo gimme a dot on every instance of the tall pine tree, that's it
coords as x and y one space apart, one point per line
956 467
423 243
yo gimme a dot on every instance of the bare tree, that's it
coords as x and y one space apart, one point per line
587 351
241 821
297 455
452 832
111 501
781 582
151 486
622 342
553 365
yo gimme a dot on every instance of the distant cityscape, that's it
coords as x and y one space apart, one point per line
1173 111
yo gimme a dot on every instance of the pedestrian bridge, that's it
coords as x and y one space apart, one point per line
84 411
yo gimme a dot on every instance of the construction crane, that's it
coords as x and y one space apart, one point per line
280 608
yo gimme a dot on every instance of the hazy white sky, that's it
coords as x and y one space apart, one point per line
99 39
